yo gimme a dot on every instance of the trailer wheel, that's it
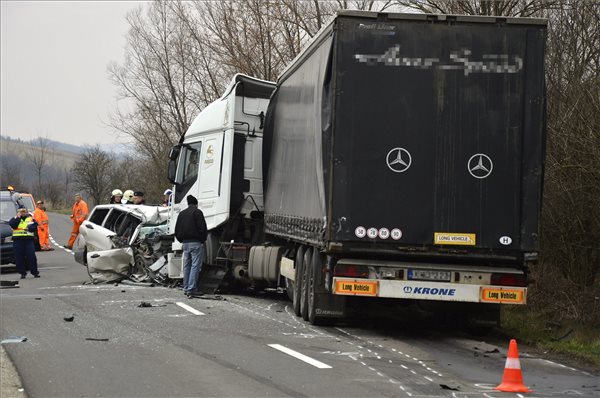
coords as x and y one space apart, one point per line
306 268
297 284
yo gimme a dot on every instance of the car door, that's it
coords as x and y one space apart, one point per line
92 235
105 261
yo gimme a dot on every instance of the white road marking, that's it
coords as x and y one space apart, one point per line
300 356
190 309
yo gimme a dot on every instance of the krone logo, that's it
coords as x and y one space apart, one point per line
407 289
480 165
398 160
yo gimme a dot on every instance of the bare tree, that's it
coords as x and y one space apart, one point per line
156 82
53 194
513 8
40 157
91 173
11 166
571 213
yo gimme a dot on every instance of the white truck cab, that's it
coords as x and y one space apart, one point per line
206 161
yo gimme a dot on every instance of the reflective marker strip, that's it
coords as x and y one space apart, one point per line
512 363
301 357
190 309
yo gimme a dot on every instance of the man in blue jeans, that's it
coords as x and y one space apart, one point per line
190 229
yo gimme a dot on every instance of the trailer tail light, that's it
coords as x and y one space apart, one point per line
352 271
509 280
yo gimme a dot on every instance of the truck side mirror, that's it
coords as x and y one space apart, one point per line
172 170
174 152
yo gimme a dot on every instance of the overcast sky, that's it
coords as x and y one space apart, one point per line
54 58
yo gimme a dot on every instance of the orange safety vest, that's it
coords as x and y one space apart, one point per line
80 212
41 217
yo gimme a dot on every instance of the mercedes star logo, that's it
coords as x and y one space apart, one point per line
398 160
480 165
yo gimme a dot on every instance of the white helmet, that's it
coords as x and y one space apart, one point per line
168 192
127 196
117 192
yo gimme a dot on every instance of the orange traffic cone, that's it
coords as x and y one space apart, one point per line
512 381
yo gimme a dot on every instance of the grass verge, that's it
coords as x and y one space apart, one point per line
568 339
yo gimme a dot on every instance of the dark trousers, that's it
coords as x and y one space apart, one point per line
25 254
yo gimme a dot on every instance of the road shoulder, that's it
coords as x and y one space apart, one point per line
10 382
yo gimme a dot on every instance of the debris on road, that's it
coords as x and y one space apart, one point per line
95 339
451 388
209 297
9 284
14 339
145 304
133 283
69 318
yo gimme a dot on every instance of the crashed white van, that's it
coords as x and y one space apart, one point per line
124 241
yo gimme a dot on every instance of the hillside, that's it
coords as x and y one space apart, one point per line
60 155
17 167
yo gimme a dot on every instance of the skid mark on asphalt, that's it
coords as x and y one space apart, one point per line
369 350
297 325
375 354
302 357
259 311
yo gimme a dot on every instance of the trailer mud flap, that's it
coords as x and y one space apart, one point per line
330 306
211 278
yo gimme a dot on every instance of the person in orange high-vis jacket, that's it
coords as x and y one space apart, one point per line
43 227
80 212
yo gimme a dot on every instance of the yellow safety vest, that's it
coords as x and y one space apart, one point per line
22 230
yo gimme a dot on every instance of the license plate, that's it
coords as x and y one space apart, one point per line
503 295
428 275
356 288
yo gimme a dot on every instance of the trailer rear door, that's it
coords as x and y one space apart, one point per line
435 141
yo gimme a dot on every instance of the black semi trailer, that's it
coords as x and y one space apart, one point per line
402 157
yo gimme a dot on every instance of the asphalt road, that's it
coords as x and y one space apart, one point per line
246 345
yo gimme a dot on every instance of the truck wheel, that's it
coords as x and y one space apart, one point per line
297 284
289 289
306 267
211 247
